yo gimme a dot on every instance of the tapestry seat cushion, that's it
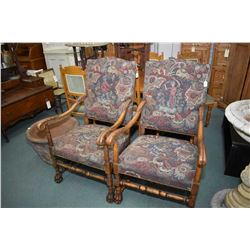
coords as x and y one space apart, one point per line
79 145
162 160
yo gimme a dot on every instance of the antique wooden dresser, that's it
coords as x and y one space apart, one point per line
23 98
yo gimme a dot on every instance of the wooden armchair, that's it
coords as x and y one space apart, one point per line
73 79
174 97
108 100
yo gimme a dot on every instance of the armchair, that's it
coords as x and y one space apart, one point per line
108 100
165 166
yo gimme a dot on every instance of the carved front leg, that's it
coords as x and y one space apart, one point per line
109 181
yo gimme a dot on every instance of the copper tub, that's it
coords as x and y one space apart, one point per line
38 139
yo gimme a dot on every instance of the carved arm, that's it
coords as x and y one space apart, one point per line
102 137
42 124
201 146
111 138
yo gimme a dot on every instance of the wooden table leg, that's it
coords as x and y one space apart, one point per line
209 112
5 135
83 57
75 56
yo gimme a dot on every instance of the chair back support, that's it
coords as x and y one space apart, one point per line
73 80
110 83
153 56
190 56
174 90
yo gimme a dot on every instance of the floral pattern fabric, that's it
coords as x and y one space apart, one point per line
110 82
163 160
79 145
174 90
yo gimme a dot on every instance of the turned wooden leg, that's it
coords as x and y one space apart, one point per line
109 181
118 188
58 176
208 116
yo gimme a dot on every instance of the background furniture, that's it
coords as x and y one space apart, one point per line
138 52
219 68
50 79
237 78
83 47
236 150
58 54
30 55
73 79
22 98
202 49
155 56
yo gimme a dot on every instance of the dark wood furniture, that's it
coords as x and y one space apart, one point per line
84 52
219 68
138 52
202 49
237 79
22 98
30 55
237 150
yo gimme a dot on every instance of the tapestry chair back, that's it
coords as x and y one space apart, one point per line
174 90
109 84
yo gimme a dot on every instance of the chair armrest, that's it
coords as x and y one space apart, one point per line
202 160
42 125
111 138
102 137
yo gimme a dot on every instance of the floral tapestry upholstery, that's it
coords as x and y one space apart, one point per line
174 90
110 82
79 145
163 160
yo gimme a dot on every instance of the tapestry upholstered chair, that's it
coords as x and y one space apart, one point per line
153 56
73 79
108 100
165 166
211 103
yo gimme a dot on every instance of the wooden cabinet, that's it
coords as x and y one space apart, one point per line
219 68
203 49
30 55
20 100
237 82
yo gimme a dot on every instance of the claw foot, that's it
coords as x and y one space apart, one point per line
118 197
58 178
110 198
